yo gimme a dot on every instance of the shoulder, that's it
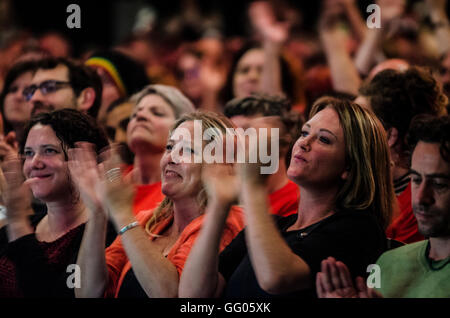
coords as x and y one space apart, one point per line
403 252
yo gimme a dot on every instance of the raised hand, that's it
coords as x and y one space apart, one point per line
15 190
86 176
117 194
263 19
9 147
391 9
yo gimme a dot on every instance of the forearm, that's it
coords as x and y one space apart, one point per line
271 74
365 57
155 273
200 278
277 268
91 259
344 75
356 21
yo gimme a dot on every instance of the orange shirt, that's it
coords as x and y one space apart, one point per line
148 197
284 201
404 227
118 263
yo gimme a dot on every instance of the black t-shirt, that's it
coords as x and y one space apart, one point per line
41 268
353 237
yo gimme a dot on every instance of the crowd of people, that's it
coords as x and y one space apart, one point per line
95 176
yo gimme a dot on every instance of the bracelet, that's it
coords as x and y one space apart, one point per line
128 227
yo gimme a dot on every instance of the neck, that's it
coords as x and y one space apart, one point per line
314 206
439 248
64 216
185 210
146 167
279 179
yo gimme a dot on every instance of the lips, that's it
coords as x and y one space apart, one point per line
300 158
40 176
171 174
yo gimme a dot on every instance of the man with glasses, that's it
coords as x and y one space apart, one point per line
59 83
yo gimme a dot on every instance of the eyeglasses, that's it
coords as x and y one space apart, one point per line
45 87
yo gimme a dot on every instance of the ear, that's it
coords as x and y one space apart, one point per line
86 99
392 136
344 174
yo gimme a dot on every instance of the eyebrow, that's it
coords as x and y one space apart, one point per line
323 129
432 175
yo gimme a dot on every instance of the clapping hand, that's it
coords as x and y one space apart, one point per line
334 281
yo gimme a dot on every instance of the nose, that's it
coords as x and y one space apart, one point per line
37 96
424 195
305 143
36 162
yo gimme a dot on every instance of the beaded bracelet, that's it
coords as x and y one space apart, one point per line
128 227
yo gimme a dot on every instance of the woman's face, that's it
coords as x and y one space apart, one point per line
318 156
16 108
248 72
150 123
46 164
181 179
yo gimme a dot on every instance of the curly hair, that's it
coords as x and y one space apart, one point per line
397 97
430 129
70 126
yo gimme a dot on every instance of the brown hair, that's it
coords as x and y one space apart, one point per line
369 183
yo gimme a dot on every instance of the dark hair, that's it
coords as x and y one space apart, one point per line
80 78
287 78
397 97
267 105
70 126
431 129
16 71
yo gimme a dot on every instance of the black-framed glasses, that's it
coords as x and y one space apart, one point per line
46 87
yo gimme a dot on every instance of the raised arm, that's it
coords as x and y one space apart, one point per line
369 52
155 273
273 33
344 75
91 257
201 277
16 196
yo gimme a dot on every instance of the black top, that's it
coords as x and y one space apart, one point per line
353 237
30 268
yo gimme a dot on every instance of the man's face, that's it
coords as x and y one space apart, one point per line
61 96
430 191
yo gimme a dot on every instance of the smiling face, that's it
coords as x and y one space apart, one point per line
430 191
248 72
16 109
318 156
180 180
45 162
150 123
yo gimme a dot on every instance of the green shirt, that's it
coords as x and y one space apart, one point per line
408 272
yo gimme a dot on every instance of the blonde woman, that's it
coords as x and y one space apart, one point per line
341 162
146 260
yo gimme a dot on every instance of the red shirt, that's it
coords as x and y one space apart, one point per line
404 227
284 201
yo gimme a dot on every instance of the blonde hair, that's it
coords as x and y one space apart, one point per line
209 120
369 183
